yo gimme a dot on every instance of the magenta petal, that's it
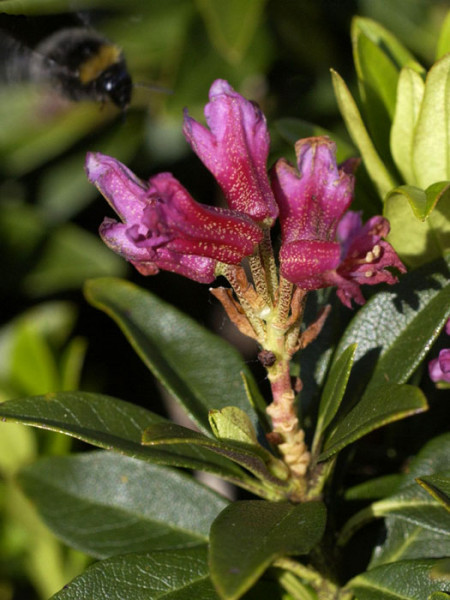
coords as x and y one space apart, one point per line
120 186
313 198
439 368
164 227
305 262
235 149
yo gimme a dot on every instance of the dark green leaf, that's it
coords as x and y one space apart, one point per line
433 458
119 504
376 488
333 392
166 575
404 540
395 329
402 580
198 368
386 404
438 486
249 535
111 424
253 458
415 505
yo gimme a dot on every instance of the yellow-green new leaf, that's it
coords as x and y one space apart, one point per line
410 91
443 45
420 222
379 174
431 147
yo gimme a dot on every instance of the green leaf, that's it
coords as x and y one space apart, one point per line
165 575
403 580
397 327
378 172
232 424
119 504
254 458
404 541
379 487
333 392
438 486
198 368
431 146
415 505
384 39
231 25
443 45
409 100
249 535
112 424
385 404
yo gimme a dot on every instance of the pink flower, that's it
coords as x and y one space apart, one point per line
439 368
163 227
235 150
321 245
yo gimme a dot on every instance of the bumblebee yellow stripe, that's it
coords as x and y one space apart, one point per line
90 69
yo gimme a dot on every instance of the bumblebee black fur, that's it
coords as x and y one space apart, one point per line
77 62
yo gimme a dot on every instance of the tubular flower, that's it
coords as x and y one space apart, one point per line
235 150
439 368
163 227
321 245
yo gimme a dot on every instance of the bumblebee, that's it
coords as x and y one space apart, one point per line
77 62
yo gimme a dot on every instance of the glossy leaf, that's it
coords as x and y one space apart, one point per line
198 368
253 457
174 575
415 505
333 391
249 535
112 424
396 328
409 100
404 541
378 172
119 504
402 580
438 486
430 149
386 404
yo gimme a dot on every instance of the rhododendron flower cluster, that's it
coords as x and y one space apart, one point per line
323 244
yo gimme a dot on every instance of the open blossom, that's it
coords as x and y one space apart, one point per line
163 227
235 150
323 244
